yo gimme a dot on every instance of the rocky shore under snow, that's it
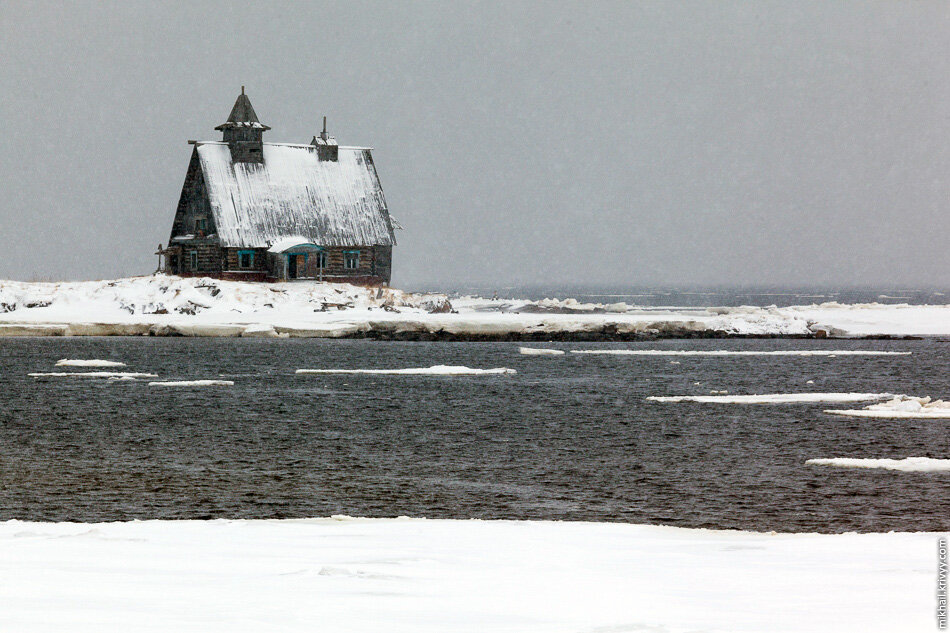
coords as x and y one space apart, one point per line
161 305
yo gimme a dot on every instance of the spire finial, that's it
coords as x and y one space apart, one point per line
242 89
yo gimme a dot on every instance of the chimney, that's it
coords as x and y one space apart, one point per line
327 148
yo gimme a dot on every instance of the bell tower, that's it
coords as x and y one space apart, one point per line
243 132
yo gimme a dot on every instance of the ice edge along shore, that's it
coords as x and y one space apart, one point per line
161 305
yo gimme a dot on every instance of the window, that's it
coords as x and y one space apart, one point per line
193 259
245 259
320 259
351 260
201 225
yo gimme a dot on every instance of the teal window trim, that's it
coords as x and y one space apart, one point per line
241 254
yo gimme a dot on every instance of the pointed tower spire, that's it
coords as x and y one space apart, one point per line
243 131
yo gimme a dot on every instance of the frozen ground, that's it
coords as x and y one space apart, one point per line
164 305
415 575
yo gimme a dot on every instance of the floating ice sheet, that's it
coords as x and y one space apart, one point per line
92 374
775 398
192 383
90 362
900 407
908 464
435 370
726 352
540 351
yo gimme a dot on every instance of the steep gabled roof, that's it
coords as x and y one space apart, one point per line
294 194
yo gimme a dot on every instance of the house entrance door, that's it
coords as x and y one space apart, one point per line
296 265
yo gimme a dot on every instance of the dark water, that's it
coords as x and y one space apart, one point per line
568 437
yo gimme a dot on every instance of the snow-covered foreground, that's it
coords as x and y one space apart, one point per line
417 575
164 305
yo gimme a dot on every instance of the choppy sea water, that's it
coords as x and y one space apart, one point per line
568 437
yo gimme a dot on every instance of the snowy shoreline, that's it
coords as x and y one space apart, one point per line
162 305
421 575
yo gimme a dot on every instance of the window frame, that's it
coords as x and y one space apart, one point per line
240 263
351 256
321 256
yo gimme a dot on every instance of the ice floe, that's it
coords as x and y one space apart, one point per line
433 576
435 370
91 362
191 383
900 406
908 464
92 374
727 352
774 398
540 351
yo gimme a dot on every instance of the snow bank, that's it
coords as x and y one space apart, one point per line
174 306
900 407
92 362
726 352
421 576
92 374
192 383
538 351
908 464
435 370
774 398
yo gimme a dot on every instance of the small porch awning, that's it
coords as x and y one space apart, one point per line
289 243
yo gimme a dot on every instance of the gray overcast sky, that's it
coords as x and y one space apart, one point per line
703 143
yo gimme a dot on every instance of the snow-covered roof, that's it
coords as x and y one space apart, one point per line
288 242
293 194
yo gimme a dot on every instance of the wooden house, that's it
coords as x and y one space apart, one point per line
257 211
